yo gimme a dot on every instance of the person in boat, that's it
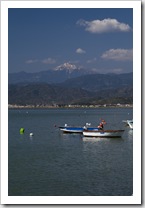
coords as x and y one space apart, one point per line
101 125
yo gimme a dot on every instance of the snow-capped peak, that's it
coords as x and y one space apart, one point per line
67 66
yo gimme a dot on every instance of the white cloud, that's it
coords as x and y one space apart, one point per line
80 51
118 54
108 70
31 61
48 61
103 26
90 61
117 70
44 61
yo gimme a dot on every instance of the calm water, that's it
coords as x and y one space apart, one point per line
55 164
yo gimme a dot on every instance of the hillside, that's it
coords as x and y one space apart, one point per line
42 94
45 94
88 89
97 82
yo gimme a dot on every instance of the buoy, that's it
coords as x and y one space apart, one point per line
31 134
22 130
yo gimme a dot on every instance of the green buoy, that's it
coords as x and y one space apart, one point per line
22 130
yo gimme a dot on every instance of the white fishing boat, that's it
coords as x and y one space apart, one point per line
126 121
130 123
103 133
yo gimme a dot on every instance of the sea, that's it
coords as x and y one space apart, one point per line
51 163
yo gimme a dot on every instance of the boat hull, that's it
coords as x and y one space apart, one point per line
103 133
76 129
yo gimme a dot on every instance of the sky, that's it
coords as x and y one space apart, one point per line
99 39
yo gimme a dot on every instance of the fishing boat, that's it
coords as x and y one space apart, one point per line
76 129
126 121
130 123
103 133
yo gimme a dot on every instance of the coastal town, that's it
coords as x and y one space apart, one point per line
118 105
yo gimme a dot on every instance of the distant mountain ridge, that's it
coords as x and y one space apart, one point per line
97 82
69 87
81 90
60 74
57 75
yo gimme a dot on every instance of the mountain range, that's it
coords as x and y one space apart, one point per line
60 74
69 86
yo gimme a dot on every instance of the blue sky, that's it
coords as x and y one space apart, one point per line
94 39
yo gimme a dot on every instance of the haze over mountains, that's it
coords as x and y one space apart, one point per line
68 84
57 75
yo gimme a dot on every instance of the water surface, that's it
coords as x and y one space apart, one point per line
55 164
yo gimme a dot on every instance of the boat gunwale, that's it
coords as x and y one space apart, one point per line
121 130
103 136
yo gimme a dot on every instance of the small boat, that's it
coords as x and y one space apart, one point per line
75 129
103 133
127 121
130 123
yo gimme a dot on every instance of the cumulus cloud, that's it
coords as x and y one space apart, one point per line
104 26
80 51
118 54
48 61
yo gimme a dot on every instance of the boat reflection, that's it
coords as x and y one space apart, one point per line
98 139
93 139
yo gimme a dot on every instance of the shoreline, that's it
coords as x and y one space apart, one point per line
69 106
